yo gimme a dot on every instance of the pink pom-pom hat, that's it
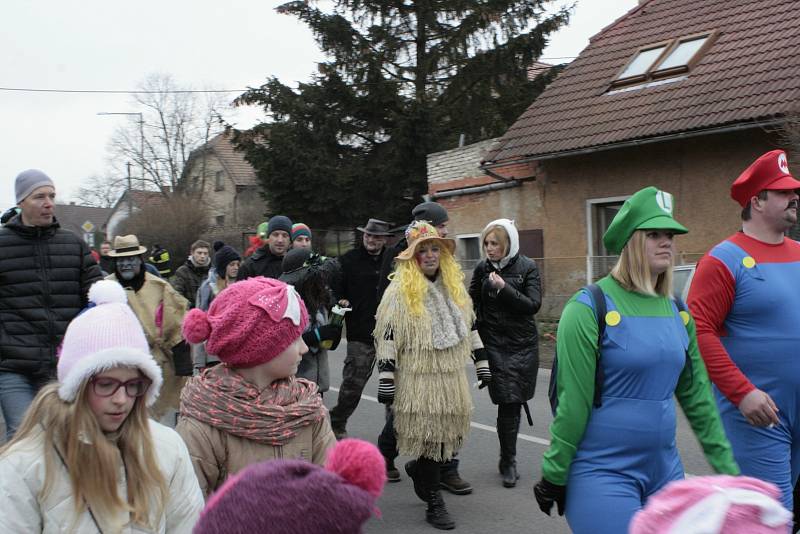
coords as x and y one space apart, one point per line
102 337
714 504
249 322
297 497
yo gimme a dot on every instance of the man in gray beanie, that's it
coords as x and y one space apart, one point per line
36 305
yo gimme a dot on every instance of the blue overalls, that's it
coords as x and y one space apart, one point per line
763 340
628 450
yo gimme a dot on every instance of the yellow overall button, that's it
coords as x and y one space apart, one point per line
613 318
685 316
748 262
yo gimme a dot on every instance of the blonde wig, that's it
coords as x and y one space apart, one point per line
500 234
413 285
92 460
632 270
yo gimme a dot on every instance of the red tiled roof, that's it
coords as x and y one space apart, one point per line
750 73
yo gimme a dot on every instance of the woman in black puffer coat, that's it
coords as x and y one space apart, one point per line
506 292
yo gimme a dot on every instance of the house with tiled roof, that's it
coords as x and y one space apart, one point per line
88 222
226 183
129 202
678 94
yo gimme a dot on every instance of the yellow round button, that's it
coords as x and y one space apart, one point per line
748 262
613 318
685 316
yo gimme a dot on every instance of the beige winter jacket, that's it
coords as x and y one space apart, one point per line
22 474
217 455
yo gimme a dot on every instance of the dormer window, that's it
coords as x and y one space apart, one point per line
663 60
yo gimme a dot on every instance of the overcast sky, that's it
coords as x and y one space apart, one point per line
102 45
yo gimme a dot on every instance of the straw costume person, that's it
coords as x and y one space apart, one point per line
424 337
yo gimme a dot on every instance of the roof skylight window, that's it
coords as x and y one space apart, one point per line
663 60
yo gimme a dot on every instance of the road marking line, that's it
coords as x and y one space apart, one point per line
480 426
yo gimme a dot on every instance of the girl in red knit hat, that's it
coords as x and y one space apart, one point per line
251 407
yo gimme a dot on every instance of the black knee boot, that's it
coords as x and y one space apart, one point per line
426 473
507 428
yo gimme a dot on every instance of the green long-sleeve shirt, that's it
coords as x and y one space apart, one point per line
577 358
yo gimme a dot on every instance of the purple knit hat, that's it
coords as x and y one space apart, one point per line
714 504
249 322
297 497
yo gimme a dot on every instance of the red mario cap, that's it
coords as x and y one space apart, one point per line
770 171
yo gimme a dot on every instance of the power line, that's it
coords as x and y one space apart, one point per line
117 92
142 92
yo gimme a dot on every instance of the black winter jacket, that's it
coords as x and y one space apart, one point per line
507 327
187 280
45 274
262 263
359 272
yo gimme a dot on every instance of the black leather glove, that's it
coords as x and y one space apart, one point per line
547 493
332 333
386 391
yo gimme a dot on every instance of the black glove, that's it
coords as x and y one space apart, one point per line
484 376
386 391
310 338
330 333
182 359
547 493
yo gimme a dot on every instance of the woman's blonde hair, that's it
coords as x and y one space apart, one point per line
632 270
91 459
501 234
413 286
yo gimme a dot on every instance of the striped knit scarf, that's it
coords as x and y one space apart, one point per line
223 399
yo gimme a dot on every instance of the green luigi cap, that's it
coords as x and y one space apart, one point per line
647 209
261 231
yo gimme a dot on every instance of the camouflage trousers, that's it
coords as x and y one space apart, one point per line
358 366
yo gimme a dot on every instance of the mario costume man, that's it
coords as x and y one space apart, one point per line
745 299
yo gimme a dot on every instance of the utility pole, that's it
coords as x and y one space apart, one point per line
130 192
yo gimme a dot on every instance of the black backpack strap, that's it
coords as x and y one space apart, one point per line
682 308
599 304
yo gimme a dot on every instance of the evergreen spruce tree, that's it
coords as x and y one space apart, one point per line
403 79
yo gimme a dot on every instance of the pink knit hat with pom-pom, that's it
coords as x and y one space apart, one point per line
249 322
297 497
712 505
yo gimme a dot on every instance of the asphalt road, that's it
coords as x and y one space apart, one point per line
491 507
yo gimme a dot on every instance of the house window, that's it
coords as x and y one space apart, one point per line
599 214
220 220
195 183
219 181
468 250
663 60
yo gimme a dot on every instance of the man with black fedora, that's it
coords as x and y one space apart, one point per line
160 310
357 289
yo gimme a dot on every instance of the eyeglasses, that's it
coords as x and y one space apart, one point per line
105 386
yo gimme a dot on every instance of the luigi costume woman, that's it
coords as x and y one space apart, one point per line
607 456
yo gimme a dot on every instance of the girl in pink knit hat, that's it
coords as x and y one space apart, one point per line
85 455
251 407
714 505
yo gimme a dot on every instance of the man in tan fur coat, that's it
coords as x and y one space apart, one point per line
160 310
